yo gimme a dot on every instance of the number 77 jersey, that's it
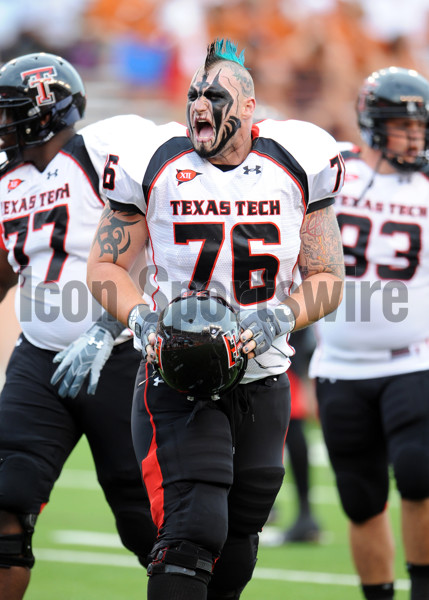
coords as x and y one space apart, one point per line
235 231
47 224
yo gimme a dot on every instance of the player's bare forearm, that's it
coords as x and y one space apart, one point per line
119 239
8 278
321 264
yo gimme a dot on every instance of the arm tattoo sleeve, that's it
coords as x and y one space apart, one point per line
321 247
112 235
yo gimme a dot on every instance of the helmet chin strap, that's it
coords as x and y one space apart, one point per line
419 163
371 179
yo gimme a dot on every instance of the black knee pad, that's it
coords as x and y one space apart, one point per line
235 567
252 497
199 513
16 549
411 468
184 559
361 500
19 479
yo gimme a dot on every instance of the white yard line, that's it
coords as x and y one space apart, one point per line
120 560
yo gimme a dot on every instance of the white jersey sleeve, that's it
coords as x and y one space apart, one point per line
131 159
116 134
316 151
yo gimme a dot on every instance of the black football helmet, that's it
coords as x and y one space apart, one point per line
391 93
33 87
198 346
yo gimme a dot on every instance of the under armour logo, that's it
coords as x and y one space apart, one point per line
256 170
93 342
53 174
157 381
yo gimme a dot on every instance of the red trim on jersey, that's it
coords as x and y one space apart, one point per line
172 160
262 240
203 242
255 130
261 154
2 244
15 233
154 264
147 208
151 471
52 224
96 192
10 171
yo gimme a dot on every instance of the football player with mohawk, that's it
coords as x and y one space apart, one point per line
221 208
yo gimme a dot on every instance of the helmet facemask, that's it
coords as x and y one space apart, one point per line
393 94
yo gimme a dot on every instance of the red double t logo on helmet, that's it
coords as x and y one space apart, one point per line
233 347
40 79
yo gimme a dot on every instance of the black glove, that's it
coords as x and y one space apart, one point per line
266 324
142 321
87 354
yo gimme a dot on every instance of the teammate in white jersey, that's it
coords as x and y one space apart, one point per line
231 209
50 203
372 359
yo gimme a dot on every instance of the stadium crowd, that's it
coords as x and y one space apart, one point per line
307 57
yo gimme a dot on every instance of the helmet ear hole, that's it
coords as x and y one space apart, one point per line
198 346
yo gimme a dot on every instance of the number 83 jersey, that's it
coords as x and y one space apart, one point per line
236 231
382 325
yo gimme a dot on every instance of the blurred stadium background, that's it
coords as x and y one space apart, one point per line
308 58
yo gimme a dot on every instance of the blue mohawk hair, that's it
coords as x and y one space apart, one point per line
228 51
223 49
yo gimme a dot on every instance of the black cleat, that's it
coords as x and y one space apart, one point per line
305 529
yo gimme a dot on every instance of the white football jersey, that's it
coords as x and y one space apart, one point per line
381 327
235 232
47 224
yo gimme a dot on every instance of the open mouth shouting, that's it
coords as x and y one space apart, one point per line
204 131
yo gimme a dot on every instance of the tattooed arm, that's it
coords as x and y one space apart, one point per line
321 264
119 240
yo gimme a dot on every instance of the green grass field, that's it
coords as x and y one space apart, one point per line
78 555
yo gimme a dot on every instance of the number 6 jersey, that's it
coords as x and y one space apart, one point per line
236 231
381 327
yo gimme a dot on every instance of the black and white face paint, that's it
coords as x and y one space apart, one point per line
210 113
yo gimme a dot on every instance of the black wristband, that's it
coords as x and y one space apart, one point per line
110 324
